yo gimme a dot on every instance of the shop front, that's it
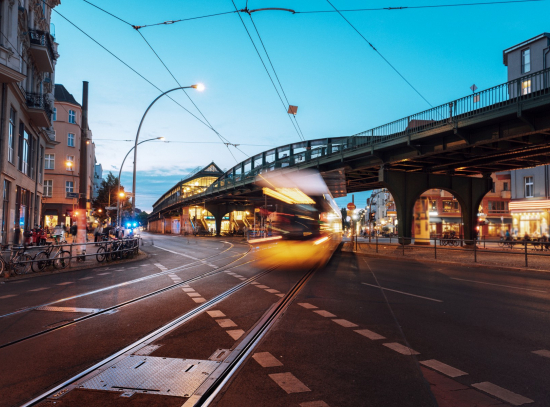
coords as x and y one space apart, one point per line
533 223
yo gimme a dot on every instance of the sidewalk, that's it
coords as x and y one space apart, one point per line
509 258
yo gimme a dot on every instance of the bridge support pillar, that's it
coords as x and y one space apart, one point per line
406 188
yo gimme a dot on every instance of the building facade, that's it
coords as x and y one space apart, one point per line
62 162
98 177
28 55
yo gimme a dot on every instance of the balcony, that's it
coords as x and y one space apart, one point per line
42 50
39 110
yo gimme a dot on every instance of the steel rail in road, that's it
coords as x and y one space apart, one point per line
113 308
309 151
111 287
142 342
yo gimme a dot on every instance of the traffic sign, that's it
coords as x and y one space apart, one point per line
110 208
351 206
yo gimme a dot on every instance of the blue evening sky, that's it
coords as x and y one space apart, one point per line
339 83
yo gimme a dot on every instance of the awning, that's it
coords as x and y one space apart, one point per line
506 221
447 219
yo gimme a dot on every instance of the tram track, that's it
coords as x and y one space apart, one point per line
198 262
208 391
116 307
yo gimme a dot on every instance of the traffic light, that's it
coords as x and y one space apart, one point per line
372 217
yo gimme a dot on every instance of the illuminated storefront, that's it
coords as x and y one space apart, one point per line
531 217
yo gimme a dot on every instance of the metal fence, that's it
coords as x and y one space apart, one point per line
440 246
21 260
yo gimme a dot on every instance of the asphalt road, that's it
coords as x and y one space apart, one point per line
435 335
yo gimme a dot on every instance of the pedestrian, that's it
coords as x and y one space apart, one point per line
74 231
507 236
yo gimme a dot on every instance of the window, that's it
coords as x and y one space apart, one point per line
69 187
450 206
41 164
526 87
50 162
55 114
493 187
48 187
498 207
70 158
72 116
24 150
505 186
11 136
528 187
525 60
70 140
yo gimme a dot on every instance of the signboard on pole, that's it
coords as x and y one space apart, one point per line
351 206
81 231
110 208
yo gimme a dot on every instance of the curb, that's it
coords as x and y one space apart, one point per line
477 265
142 256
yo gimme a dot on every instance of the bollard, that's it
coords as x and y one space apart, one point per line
475 252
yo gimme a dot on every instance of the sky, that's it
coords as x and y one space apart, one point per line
339 83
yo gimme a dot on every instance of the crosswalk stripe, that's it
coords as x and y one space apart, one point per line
443 368
501 393
289 383
404 350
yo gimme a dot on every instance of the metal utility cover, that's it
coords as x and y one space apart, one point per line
153 375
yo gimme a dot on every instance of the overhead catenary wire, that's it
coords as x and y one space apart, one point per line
275 72
267 71
420 7
380 54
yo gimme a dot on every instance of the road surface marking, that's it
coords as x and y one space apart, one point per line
40 289
235 333
306 305
103 274
401 292
65 283
188 290
404 350
542 352
85 278
262 286
173 276
130 268
226 323
345 323
289 383
8 296
369 334
69 309
237 275
171 251
443 368
498 285
199 299
503 394
280 295
266 359
254 283
317 403
215 314
193 294
144 265
272 291
185 286
325 314
211 265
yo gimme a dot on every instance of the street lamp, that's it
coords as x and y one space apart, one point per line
69 164
199 87
121 194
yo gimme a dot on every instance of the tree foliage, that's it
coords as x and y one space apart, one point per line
107 197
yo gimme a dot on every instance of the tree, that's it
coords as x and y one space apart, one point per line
141 217
107 197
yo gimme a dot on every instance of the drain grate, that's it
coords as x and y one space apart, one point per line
153 375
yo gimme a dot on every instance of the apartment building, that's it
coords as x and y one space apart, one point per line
62 163
28 55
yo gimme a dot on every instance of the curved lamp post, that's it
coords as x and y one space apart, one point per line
121 194
199 87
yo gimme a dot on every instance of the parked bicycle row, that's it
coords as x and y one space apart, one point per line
54 255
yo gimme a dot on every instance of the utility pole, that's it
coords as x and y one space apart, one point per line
83 193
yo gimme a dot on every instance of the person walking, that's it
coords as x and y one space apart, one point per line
74 231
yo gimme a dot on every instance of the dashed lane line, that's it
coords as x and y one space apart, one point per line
226 323
235 333
289 383
503 394
307 305
325 314
188 289
8 296
345 323
85 278
317 403
39 289
542 352
65 283
198 300
262 286
103 274
216 314
498 285
370 334
266 359
404 350
193 294
402 292
280 295
443 368
272 291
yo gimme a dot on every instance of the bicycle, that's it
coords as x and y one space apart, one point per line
44 258
19 261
